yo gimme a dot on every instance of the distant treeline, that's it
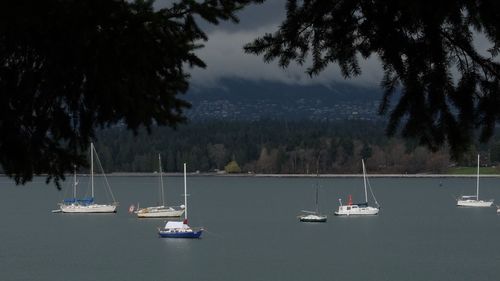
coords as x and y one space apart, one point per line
271 146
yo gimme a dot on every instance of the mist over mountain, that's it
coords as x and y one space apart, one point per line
237 99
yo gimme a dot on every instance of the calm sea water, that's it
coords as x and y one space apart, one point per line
253 233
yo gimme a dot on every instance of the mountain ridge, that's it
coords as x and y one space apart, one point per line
238 99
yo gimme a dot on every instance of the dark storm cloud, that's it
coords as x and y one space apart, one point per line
251 17
271 12
224 55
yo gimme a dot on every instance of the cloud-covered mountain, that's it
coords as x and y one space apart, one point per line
239 99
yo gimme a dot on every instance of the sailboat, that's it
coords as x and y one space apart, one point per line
160 211
359 208
180 229
87 205
73 200
473 200
310 216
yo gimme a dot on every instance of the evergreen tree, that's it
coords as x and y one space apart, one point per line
67 67
366 151
495 152
421 45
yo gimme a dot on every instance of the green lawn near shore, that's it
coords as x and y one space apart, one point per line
473 171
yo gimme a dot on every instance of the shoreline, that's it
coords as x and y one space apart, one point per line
194 174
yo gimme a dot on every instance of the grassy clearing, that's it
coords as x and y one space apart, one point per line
473 171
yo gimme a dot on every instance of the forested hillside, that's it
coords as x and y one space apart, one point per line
276 147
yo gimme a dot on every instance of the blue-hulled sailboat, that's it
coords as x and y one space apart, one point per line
180 229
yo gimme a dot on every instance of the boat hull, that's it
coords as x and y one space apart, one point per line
356 211
159 213
474 203
187 234
93 208
312 218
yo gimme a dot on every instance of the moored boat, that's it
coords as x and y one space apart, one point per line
180 229
160 211
359 208
313 216
87 205
473 200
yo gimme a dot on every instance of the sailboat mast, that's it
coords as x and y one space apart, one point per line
185 195
477 180
74 181
364 179
317 206
92 167
162 194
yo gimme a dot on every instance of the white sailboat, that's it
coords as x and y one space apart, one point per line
359 208
161 211
473 200
180 229
87 205
310 216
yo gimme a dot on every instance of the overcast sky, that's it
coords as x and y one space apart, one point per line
224 56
